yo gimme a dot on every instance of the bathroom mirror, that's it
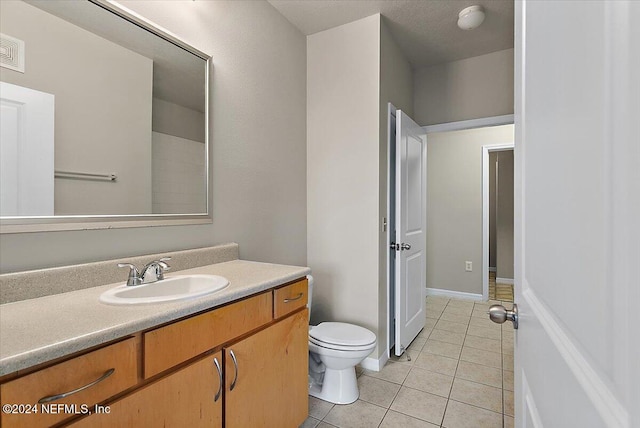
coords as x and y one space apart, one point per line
104 119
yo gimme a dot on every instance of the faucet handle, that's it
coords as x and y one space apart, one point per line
162 263
134 275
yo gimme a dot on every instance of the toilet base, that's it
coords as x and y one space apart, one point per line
338 386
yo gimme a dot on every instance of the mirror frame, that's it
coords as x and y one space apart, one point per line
26 224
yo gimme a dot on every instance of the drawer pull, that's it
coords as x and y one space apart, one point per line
82 388
298 297
217 364
235 376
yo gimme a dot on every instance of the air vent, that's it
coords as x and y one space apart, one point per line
11 53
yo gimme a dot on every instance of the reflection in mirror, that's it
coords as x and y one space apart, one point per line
100 116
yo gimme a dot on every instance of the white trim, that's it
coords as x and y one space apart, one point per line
486 149
505 280
375 364
622 179
507 119
603 399
454 294
391 111
493 269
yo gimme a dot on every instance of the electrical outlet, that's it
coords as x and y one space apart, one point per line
468 266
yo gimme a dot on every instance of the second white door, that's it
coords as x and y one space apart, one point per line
411 234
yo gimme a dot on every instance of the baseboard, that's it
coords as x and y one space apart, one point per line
504 280
375 364
493 269
454 294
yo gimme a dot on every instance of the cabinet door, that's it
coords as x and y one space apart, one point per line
186 398
266 382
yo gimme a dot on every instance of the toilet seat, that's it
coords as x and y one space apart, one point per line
342 336
341 348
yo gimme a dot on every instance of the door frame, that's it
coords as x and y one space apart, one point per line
391 173
486 150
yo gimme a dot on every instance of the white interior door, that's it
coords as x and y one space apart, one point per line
577 199
411 230
26 151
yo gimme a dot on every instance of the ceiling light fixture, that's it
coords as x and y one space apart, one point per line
470 17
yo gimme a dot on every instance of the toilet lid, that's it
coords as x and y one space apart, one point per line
343 334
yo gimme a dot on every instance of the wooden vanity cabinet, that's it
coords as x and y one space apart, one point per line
266 376
168 376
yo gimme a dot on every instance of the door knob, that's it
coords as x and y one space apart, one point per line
404 246
499 314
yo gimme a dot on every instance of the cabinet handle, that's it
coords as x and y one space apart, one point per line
217 364
235 363
298 297
82 388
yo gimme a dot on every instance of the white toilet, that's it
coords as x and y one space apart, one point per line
335 348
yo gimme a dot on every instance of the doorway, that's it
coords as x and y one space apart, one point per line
455 200
497 222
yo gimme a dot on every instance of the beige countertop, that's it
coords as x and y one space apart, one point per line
38 330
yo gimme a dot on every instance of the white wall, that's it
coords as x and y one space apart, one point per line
88 76
504 216
343 99
258 128
353 71
454 198
179 175
179 121
470 88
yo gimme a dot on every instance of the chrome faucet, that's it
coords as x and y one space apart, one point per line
151 272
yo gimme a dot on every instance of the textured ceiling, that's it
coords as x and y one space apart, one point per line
426 30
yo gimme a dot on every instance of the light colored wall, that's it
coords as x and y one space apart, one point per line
258 128
343 99
173 119
179 175
493 239
504 215
470 88
88 76
396 87
454 201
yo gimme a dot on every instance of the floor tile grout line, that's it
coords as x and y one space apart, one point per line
477 407
444 414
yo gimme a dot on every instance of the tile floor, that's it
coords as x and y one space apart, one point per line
499 291
460 375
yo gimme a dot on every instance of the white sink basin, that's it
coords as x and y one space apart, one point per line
179 287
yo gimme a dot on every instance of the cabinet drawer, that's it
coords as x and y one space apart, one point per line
68 376
289 298
175 343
